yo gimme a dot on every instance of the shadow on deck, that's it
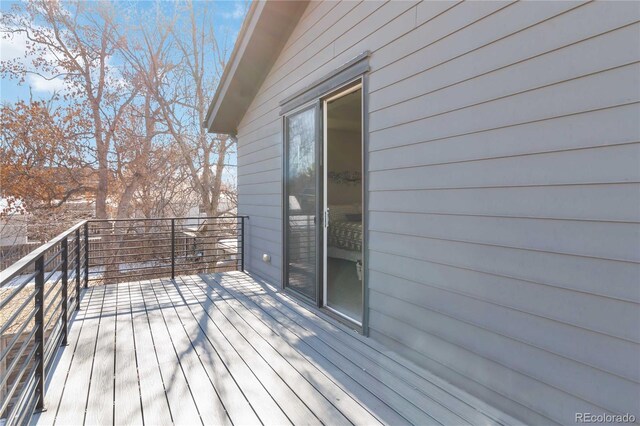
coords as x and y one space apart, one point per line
228 349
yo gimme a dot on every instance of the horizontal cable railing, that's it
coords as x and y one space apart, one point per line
37 295
40 291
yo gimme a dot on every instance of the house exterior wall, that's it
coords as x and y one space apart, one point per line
503 190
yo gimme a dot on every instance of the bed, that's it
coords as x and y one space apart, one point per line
344 236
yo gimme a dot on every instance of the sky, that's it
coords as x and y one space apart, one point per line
228 14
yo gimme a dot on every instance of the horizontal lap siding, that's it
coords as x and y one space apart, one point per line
504 214
328 35
504 244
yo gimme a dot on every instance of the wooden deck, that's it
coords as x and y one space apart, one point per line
224 349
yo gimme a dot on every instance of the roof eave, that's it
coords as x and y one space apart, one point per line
262 36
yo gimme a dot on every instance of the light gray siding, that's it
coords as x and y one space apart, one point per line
504 178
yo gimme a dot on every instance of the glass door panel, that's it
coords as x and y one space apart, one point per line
343 203
301 200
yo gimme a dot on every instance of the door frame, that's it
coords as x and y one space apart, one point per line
346 89
354 70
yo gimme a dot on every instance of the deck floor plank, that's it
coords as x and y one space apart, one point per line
181 402
313 370
234 400
229 349
344 375
60 368
211 408
73 403
127 403
101 388
271 377
413 405
155 406
261 401
312 397
376 359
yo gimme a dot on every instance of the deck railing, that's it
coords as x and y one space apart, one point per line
39 293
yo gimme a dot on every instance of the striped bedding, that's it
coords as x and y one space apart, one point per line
345 235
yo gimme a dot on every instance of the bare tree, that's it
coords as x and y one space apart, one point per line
145 115
75 43
136 148
180 62
169 192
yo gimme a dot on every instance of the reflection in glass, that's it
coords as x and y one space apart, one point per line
301 204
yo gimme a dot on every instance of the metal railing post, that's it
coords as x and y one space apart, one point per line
65 284
78 269
86 254
173 249
39 336
242 243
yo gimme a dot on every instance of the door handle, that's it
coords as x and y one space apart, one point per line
326 217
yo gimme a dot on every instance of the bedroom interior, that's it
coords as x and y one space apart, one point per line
343 201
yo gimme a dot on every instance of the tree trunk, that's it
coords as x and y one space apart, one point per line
101 192
102 189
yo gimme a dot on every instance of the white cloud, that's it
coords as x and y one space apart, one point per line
237 12
41 84
13 47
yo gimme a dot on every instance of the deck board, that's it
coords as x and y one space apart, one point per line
127 389
238 408
315 369
336 369
273 379
72 406
207 399
255 393
412 405
59 376
226 349
309 399
155 405
99 404
374 358
183 406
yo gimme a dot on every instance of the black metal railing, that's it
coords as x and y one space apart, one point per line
131 249
39 293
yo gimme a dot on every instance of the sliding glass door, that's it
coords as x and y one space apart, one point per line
301 202
323 202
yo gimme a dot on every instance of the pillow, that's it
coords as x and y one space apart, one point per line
354 217
339 212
